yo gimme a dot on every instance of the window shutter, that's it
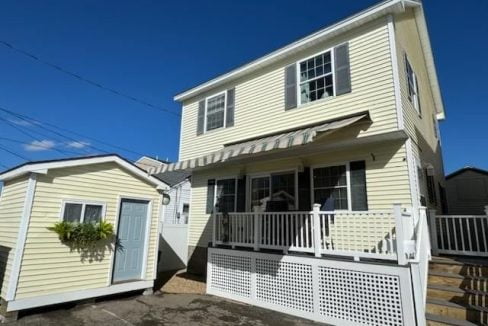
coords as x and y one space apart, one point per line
342 69
210 196
417 92
241 194
304 200
359 195
201 117
229 116
291 87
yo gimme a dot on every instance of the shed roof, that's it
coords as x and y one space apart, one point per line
465 169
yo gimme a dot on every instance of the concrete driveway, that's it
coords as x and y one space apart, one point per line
160 309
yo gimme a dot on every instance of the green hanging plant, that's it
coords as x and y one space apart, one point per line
82 235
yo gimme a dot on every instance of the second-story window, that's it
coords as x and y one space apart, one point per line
215 112
412 85
316 78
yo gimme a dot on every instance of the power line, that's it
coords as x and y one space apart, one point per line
40 123
15 154
86 80
64 152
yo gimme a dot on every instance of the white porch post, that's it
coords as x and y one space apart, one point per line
257 227
433 232
214 228
316 230
400 234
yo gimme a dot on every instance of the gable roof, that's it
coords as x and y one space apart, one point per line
173 178
465 169
44 166
152 159
381 9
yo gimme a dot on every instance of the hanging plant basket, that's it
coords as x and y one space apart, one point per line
83 235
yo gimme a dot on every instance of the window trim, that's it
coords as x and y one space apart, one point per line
268 174
348 182
235 178
332 72
415 100
225 111
83 203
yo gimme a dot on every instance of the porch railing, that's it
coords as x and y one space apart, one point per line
460 234
369 234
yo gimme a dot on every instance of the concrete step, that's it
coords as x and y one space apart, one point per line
461 266
435 320
478 283
457 311
457 295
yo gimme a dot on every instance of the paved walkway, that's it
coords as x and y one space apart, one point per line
160 309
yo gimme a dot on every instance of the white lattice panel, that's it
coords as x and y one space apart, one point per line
360 297
231 274
284 284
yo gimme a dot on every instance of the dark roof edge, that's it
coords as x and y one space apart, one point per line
465 169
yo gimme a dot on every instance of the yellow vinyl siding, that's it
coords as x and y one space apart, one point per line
49 267
259 98
386 177
419 127
11 205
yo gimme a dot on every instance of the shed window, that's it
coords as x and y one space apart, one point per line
80 212
215 113
316 78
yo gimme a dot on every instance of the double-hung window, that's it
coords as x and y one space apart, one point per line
412 85
316 78
215 112
274 192
226 195
83 212
331 187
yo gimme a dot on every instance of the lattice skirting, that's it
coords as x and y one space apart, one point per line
330 291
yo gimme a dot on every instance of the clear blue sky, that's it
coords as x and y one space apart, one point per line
155 49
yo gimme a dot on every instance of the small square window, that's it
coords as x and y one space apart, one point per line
82 212
72 212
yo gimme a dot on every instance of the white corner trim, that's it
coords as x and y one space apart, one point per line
148 238
162 210
396 74
412 175
45 300
21 237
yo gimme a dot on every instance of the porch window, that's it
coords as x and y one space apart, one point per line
275 192
226 195
81 212
215 112
316 78
331 187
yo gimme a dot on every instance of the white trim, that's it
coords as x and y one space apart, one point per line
205 131
147 240
83 203
412 175
50 299
396 74
33 167
21 237
162 210
348 181
385 7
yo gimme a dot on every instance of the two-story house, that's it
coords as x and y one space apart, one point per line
344 123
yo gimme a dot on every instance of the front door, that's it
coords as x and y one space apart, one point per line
131 238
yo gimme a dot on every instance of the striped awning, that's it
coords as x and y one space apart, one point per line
269 143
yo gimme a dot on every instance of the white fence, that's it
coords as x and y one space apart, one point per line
460 234
330 291
370 234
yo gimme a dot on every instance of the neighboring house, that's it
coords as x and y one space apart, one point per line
173 246
467 191
343 123
147 163
38 269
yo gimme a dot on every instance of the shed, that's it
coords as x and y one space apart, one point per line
467 191
38 269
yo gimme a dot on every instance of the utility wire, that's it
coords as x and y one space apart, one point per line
38 122
28 134
86 80
15 154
